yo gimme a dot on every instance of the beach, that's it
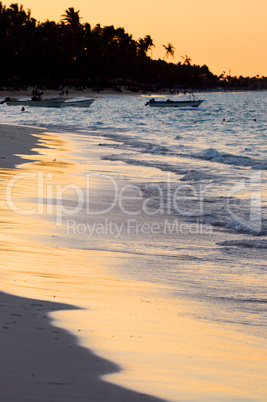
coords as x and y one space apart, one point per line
78 299
40 361
68 93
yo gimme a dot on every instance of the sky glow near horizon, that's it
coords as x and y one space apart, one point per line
228 36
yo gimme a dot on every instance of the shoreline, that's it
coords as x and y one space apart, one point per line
45 361
75 93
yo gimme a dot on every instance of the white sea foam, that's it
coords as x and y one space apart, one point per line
254 228
194 175
213 155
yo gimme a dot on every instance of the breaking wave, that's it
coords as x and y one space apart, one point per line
213 155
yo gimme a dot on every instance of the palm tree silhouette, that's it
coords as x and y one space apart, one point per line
143 45
169 50
149 43
71 17
187 60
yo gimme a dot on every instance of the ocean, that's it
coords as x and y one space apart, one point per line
183 194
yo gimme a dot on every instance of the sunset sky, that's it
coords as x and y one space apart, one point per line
229 35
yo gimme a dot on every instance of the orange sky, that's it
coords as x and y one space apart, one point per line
225 35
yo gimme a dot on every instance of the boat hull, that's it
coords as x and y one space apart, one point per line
40 103
78 103
190 103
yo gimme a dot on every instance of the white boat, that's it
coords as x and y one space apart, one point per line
50 102
77 103
193 102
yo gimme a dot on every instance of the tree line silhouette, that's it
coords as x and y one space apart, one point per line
71 53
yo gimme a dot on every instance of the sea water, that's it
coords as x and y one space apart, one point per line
195 219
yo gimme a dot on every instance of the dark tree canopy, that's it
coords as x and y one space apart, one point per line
73 53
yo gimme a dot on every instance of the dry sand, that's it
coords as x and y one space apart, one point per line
40 362
15 141
72 93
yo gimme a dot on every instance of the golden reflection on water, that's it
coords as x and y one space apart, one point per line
162 350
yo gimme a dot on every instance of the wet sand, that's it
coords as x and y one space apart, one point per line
39 361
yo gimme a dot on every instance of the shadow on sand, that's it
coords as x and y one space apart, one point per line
41 362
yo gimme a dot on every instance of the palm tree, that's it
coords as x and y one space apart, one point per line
169 50
17 14
71 17
187 60
143 45
149 43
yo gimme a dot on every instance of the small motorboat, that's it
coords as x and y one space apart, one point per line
77 103
35 102
192 102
